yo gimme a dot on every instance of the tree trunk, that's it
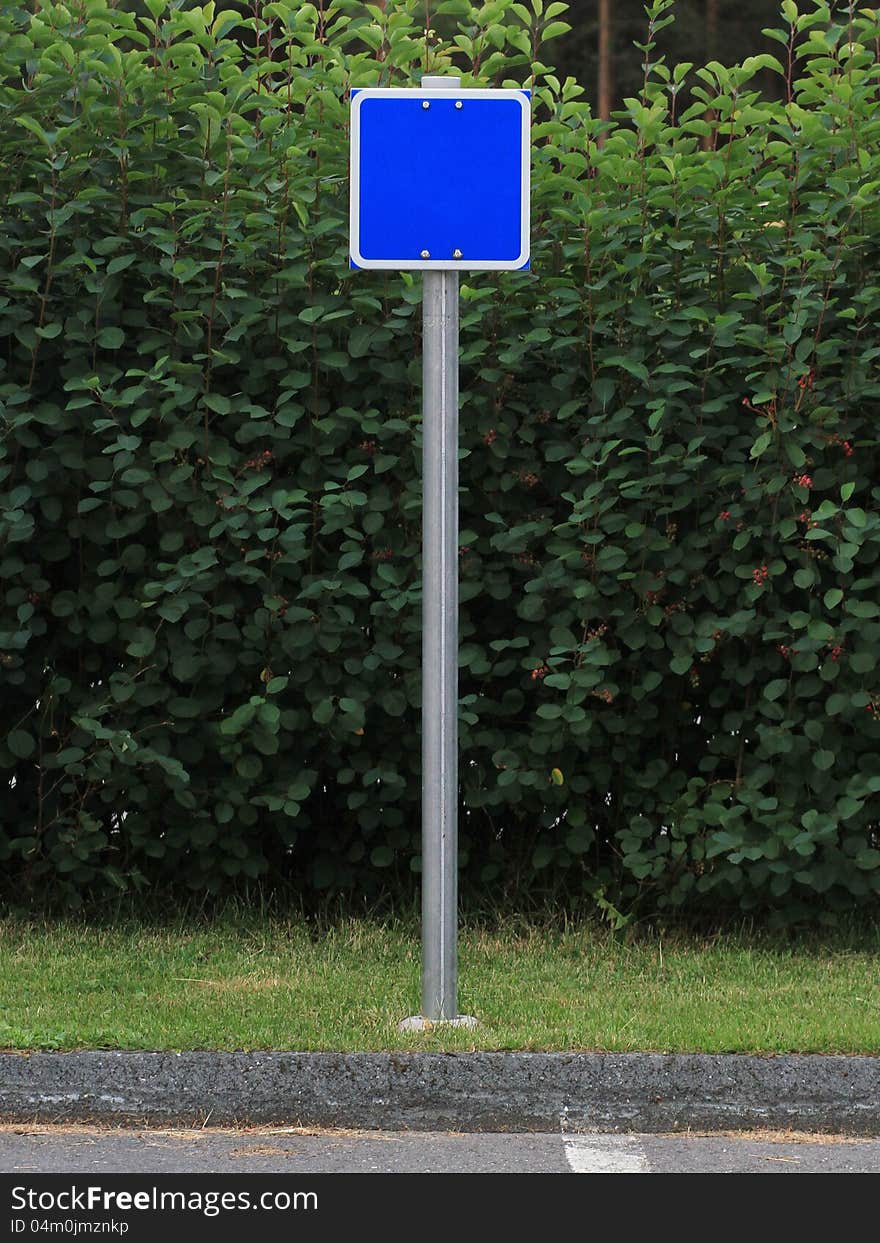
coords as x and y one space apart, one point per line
605 83
711 53
711 30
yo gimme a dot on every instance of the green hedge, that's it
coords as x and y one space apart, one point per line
209 470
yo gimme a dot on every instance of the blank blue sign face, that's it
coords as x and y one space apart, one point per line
439 179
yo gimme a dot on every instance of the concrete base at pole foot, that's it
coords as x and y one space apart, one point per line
419 1024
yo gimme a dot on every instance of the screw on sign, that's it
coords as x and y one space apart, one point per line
439 183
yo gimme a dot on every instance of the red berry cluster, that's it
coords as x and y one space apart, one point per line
382 554
258 462
761 575
368 446
464 549
806 381
806 516
651 597
844 445
605 696
529 478
490 437
835 652
874 707
724 516
803 481
34 597
596 633
540 673
588 558
784 652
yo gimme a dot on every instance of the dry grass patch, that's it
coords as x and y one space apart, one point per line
773 1137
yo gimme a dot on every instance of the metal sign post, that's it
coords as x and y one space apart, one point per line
440 645
439 182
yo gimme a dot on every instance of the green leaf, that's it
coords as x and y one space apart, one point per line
868 859
120 263
542 856
69 755
762 444
111 338
249 767
21 744
394 702
33 126
553 29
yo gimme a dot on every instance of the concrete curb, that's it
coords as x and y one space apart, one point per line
448 1091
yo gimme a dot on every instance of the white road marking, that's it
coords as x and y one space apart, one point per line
605 1154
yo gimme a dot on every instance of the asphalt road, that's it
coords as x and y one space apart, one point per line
82 1149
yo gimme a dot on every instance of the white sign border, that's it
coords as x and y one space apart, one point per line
437 265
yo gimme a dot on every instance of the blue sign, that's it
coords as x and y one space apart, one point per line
439 179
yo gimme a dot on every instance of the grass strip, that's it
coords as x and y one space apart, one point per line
285 984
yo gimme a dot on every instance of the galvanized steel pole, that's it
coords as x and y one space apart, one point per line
440 640
440 646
